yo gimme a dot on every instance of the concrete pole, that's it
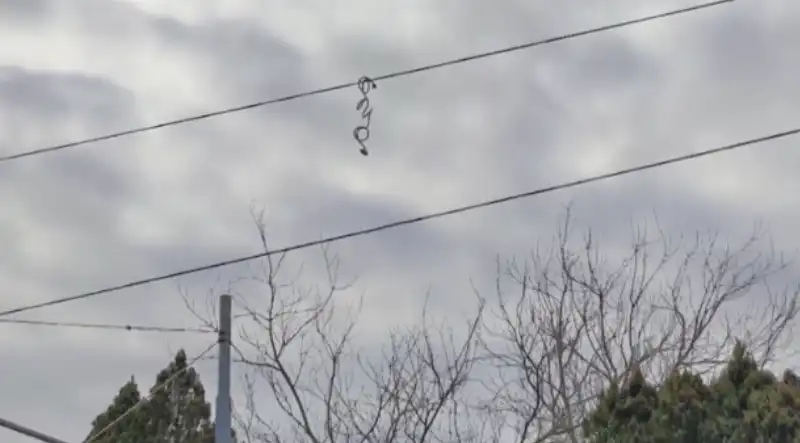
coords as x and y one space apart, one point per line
224 410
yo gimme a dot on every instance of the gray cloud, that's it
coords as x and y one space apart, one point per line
159 202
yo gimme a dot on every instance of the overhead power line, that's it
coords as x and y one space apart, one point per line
132 328
328 89
409 221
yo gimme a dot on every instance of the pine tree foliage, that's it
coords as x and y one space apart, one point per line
744 404
127 430
176 412
626 410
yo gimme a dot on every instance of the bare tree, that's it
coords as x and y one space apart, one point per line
300 352
568 322
575 322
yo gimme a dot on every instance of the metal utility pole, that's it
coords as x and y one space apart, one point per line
30 432
223 420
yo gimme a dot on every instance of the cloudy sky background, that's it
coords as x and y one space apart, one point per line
121 210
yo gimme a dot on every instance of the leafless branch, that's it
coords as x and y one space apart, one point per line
578 322
300 348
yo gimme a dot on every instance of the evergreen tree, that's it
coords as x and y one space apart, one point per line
129 429
683 408
176 412
627 411
754 406
744 404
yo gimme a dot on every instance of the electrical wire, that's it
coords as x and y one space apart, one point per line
233 360
131 328
146 398
328 89
410 221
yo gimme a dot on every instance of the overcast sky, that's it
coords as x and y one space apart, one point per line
111 212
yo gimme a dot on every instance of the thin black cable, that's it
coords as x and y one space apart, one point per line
351 84
409 221
138 328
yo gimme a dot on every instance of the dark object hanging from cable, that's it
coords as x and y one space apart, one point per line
361 133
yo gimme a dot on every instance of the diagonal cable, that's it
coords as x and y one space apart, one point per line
328 89
410 221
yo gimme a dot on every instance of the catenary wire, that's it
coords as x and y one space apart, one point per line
328 89
146 398
137 328
410 221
